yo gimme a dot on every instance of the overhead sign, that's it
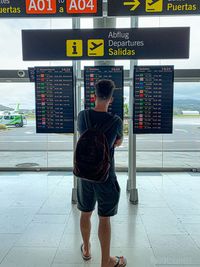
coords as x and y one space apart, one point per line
153 99
49 8
114 73
153 7
54 99
144 43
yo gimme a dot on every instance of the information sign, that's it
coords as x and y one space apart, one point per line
143 43
153 7
153 99
54 99
49 8
94 74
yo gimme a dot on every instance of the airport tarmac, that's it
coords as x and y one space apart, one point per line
180 149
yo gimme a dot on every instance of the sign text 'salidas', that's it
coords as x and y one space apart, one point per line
122 47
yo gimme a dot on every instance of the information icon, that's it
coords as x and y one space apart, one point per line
74 48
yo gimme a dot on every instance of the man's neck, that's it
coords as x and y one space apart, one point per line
101 107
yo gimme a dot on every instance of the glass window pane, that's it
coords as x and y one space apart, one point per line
86 63
123 22
20 145
149 151
124 63
11 44
178 21
121 153
61 23
182 148
86 23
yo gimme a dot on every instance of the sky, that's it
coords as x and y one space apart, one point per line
11 52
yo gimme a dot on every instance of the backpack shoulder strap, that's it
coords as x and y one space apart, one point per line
108 125
87 119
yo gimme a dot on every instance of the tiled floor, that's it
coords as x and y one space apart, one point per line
40 228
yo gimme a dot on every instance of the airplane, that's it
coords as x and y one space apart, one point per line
9 112
14 117
95 46
17 108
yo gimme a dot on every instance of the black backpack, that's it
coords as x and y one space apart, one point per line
92 159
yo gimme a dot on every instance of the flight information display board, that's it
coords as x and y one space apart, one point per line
31 74
54 99
93 75
153 99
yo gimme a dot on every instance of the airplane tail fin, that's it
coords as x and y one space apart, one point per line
17 108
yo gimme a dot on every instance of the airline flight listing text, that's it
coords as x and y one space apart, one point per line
54 99
153 99
94 74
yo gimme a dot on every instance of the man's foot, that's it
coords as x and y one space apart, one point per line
117 262
85 253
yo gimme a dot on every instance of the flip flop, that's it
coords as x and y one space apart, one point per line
86 258
118 262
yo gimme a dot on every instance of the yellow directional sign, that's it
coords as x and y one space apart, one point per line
134 3
154 5
96 47
74 48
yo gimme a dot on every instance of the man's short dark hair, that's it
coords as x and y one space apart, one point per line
104 89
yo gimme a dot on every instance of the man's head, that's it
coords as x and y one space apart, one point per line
104 90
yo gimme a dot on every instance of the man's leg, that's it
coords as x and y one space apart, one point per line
104 234
108 195
105 238
85 226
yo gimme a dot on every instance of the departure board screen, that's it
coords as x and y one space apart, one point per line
153 99
31 74
93 74
54 99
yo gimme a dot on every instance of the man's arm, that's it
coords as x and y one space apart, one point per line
118 142
80 122
119 138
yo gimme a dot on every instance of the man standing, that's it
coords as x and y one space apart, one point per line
105 194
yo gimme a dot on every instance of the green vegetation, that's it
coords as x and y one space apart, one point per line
126 109
126 128
186 116
30 116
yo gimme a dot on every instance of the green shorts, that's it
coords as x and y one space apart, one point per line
106 195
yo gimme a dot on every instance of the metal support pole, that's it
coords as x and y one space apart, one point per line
76 72
104 22
131 183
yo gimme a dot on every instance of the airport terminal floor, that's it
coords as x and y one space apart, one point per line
39 227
